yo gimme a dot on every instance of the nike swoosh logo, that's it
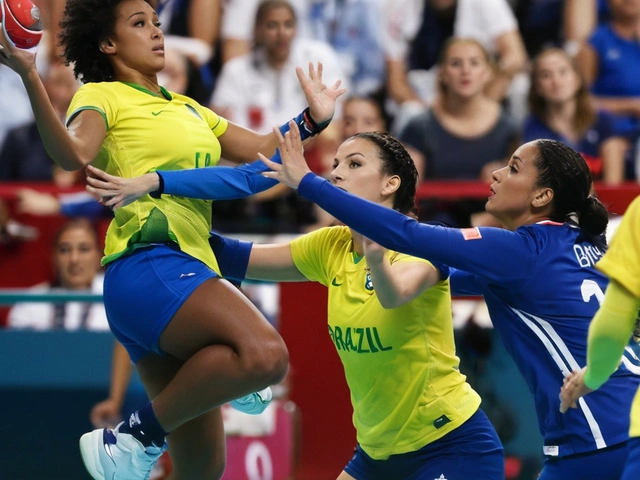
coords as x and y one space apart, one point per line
182 275
155 114
335 283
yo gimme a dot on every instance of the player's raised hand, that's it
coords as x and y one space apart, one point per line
294 166
19 60
116 192
321 99
572 389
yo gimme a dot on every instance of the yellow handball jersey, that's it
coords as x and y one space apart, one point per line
400 364
146 132
622 264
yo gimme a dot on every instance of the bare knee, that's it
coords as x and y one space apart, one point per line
267 360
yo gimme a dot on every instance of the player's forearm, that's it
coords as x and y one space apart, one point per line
388 288
218 183
60 145
609 333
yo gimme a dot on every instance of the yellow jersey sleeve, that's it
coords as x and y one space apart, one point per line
93 97
311 253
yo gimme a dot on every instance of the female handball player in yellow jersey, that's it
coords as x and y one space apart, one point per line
183 326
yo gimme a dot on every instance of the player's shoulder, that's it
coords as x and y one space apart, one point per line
543 233
336 234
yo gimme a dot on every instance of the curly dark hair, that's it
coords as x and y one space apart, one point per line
84 24
396 161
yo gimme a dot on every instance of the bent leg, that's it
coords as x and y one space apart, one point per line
197 448
229 350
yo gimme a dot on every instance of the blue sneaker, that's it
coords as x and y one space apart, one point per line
253 404
110 455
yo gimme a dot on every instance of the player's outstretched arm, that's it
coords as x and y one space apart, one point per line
216 183
72 148
486 252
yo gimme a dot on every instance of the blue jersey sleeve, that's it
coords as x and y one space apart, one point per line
464 284
487 252
219 183
83 205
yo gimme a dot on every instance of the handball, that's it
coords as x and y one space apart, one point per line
21 22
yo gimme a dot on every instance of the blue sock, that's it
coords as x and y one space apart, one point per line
144 426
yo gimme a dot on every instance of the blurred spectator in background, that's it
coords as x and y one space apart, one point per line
562 109
415 34
541 23
192 29
238 24
15 108
23 156
580 19
350 27
610 63
76 259
259 90
353 27
466 134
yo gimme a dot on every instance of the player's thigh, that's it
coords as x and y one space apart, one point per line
197 448
217 313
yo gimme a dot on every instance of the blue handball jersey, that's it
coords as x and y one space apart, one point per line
544 324
542 291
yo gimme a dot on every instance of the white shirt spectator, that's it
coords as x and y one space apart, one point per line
239 18
483 20
43 316
254 95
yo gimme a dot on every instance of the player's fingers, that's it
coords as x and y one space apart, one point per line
295 132
278 134
272 165
96 183
302 78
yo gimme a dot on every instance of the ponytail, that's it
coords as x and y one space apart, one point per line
593 216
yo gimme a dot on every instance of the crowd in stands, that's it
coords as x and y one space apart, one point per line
460 82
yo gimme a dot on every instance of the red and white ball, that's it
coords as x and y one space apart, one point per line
21 22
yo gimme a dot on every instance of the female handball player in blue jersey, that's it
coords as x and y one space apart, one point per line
389 318
611 327
537 276
184 327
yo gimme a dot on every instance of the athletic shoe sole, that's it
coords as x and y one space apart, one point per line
90 456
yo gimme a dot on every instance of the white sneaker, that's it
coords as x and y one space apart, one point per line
110 455
253 404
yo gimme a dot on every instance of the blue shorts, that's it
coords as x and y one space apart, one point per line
473 450
632 467
144 290
605 464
